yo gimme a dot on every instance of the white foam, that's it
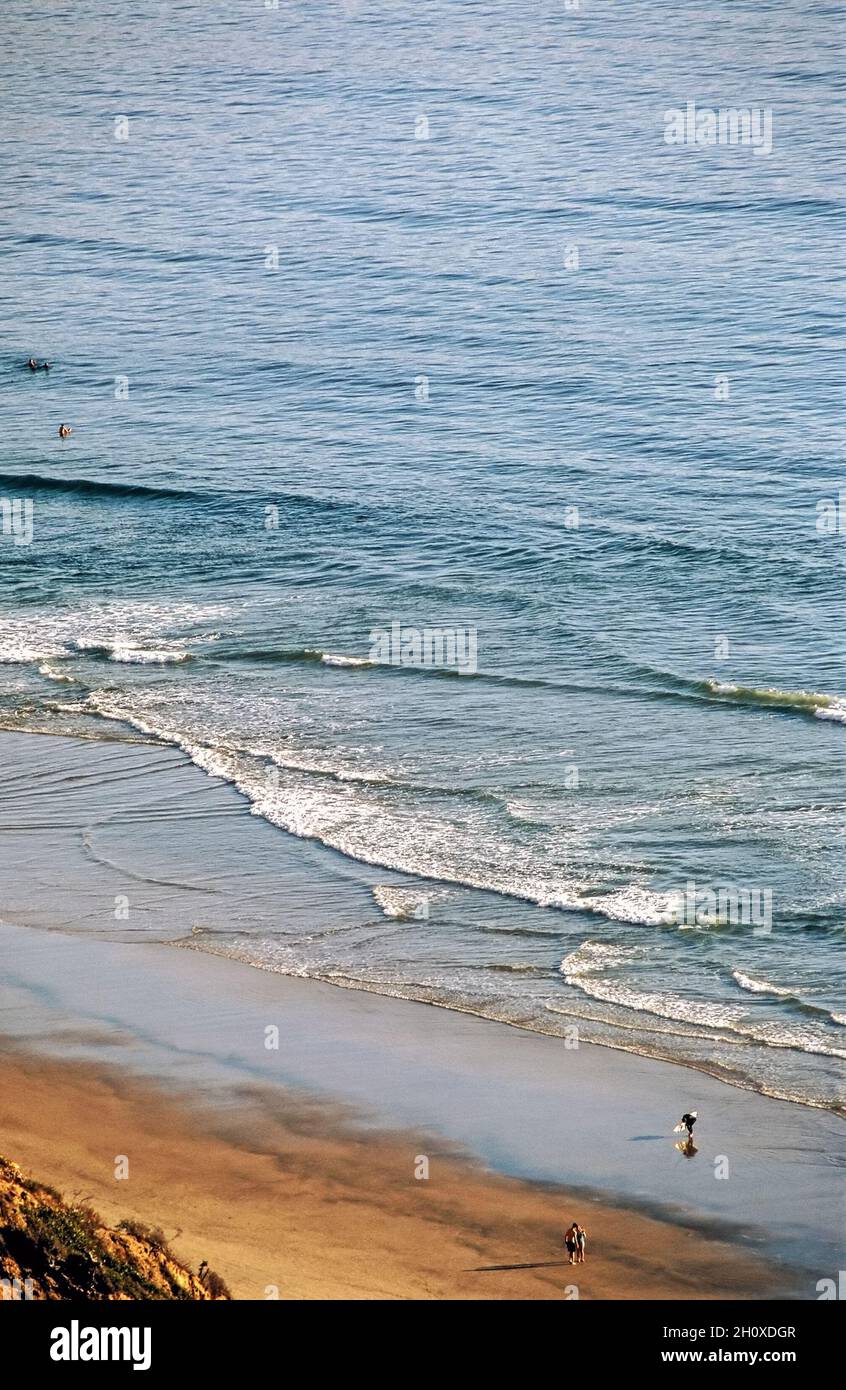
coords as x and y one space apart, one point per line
19 649
55 673
402 903
125 650
582 970
836 711
659 1005
126 632
594 955
329 659
759 986
638 905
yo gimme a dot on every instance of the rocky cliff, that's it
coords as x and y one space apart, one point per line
50 1249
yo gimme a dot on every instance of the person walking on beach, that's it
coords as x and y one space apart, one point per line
571 1240
688 1120
581 1239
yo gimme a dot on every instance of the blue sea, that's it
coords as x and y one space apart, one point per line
368 314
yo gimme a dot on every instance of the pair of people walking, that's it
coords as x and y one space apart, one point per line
575 1240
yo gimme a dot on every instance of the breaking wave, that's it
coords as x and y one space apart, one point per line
821 706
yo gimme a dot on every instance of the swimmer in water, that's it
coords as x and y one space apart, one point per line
64 431
45 366
32 364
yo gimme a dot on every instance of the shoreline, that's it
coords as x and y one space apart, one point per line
324 881
78 987
287 1198
682 1063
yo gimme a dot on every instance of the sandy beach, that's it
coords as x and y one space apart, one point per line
281 1193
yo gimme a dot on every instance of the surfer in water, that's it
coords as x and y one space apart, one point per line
687 1121
32 364
64 431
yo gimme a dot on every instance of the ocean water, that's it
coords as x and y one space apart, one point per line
388 314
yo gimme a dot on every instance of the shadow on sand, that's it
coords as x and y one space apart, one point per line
490 1269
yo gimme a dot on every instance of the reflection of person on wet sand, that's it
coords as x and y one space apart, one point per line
687 1147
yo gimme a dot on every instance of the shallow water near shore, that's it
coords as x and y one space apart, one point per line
126 840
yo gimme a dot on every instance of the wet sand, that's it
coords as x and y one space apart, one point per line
282 1193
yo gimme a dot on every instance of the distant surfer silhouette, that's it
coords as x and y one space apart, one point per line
32 364
64 431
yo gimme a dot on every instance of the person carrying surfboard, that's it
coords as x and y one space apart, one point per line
687 1121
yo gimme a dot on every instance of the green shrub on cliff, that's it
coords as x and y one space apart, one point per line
51 1249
